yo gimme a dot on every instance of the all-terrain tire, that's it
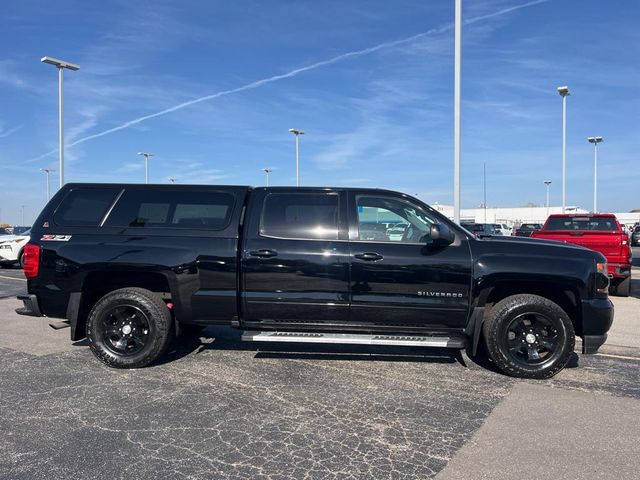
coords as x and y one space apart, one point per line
111 310
513 359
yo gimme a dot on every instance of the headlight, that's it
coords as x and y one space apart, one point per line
602 277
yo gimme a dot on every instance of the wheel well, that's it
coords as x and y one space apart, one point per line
97 284
565 297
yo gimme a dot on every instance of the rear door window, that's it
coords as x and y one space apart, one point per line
203 210
301 216
84 207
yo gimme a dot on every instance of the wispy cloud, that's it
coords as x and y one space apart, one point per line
4 133
293 73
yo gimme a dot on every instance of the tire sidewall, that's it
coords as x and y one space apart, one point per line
496 331
159 322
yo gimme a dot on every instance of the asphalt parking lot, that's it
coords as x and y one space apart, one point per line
220 408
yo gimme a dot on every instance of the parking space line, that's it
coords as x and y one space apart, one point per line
14 278
624 357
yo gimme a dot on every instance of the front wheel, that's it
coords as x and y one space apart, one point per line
529 336
129 328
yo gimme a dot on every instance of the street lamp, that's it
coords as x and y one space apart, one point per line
48 171
297 133
146 156
595 141
456 110
22 215
267 171
61 65
547 183
172 179
564 93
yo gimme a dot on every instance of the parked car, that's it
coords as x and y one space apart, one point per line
11 249
20 230
129 266
635 236
482 228
526 229
503 228
599 232
4 231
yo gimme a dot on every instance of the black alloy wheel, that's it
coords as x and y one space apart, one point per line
533 338
124 330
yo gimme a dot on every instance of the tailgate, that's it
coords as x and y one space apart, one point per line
605 242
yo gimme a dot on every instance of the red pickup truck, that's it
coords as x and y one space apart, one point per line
599 232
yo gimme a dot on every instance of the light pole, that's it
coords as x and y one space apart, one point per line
172 179
267 171
595 141
22 215
48 171
484 176
547 183
456 111
146 156
61 65
564 93
297 133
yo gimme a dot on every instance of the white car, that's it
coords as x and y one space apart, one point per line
504 229
11 247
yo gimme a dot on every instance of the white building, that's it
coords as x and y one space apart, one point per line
518 215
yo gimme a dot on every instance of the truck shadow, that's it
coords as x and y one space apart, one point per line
228 339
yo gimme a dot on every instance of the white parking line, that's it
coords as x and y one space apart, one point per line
14 278
624 357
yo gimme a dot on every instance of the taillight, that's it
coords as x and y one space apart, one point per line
31 258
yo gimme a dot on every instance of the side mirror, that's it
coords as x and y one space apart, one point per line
441 235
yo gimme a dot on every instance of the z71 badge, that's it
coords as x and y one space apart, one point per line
56 238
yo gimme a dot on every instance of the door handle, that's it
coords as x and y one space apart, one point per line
369 256
263 253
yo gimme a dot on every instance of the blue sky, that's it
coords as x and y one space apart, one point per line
380 117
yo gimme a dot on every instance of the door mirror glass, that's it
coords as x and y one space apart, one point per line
441 235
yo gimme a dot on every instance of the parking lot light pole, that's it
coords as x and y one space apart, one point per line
61 65
456 110
547 183
564 93
297 133
48 171
22 215
267 171
146 156
595 141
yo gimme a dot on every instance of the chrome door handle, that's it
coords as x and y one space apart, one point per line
369 256
263 253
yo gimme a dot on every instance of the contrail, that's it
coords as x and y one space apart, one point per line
291 73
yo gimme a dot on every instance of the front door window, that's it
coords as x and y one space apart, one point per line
382 219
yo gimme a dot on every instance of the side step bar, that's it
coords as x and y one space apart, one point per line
355 339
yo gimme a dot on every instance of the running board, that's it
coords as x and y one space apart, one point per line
355 339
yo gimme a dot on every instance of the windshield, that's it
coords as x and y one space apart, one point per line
582 223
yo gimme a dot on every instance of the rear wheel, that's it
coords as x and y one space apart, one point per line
529 336
129 328
622 288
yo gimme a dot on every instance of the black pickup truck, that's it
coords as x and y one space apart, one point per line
131 266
